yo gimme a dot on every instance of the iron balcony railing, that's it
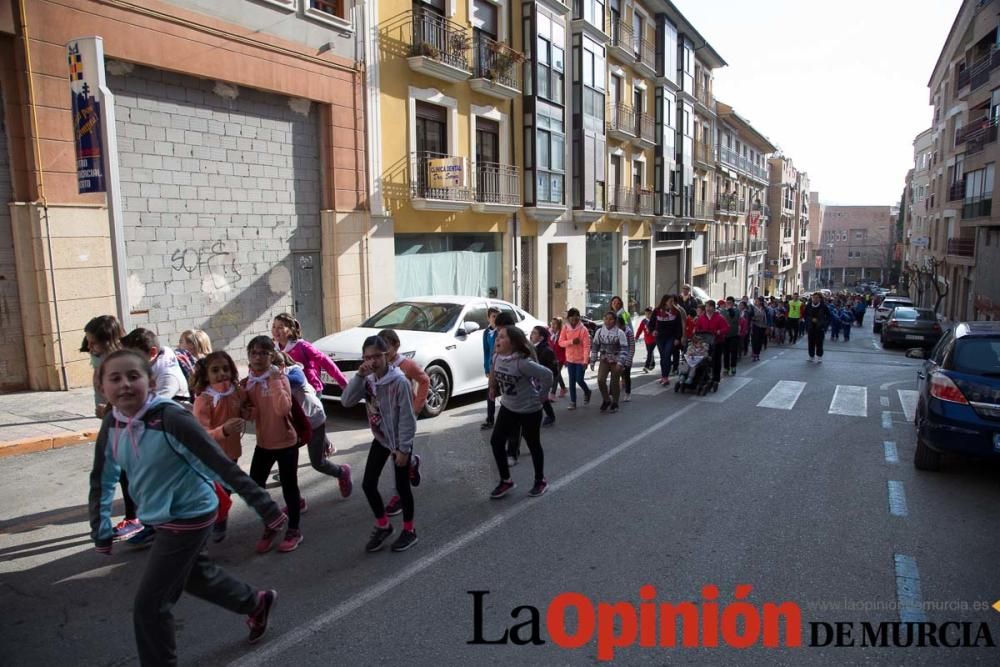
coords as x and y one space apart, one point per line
742 205
980 135
498 183
979 72
979 208
645 127
645 200
758 246
622 200
498 62
704 152
621 118
438 176
956 191
704 210
962 247
726 248
663 203
727 203
621 33
440 39
702 95
645 51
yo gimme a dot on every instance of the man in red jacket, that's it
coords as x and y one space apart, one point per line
714 323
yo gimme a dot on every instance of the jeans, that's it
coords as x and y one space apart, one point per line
665 347
288 470
650 363
529 426
576 372
377 456
603 370
847 332
793 328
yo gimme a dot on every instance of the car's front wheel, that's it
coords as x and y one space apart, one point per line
438 391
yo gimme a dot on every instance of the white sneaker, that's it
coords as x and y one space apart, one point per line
820 360
812 360
628 397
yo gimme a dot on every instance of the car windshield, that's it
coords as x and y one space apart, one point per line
895 304
922 314
415 316
978 356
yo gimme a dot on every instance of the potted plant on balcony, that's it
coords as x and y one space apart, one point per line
503 60
459 43
426 49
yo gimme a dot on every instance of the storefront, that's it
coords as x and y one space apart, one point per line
449 264
603 260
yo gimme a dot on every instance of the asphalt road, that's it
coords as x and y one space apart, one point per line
676 492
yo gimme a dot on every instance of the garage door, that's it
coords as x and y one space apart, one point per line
221 185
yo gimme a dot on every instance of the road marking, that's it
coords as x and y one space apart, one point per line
300 635
908 398
891 454
849 400
908 596
886 419
877 345
897 499
883 401
727 388
653 387
783 395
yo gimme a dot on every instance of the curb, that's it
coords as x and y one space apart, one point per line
42 443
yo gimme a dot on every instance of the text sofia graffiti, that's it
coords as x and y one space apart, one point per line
573 620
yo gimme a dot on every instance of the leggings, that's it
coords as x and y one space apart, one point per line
650 362
549 412
178 562
317 447
378 454
675 356
758 337
627 379
665 347
576 378
732 352
529 425
288 470
559 377
129 503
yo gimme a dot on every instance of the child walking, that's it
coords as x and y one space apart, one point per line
169 380
523 383
218 407
546 357
270 399
610 351
556 328
172 462
194 344
575 339
647 334
388 400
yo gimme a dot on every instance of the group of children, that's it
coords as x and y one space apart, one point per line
171 438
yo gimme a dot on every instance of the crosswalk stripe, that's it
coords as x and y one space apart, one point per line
783 395
849 400
908 398
727 388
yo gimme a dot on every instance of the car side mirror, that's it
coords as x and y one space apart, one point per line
917 353
468 327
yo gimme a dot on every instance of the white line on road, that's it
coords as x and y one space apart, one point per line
300 635
897 499
891 454
783 395
727 388
877 345
908 398
886 419
883 401
911 603
849 400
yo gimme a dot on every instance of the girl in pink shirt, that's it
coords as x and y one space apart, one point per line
287 334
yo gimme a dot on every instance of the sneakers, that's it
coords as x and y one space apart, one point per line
571 406
293 538
142 539
219 531
406 539
628 397
614 408
378 538
345 481
511 461
266 541
819 360
540 487
257 621
415 470
486 425
605 405
303 507
563 392
126 528
586 397
812 359
502 489
394 507
548 421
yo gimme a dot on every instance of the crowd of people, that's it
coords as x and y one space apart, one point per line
174 418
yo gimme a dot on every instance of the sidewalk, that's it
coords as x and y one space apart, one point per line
32 421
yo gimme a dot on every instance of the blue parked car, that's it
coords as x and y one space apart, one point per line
958 409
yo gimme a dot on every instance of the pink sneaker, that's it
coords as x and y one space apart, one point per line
562 392
266 541
293 538
345 482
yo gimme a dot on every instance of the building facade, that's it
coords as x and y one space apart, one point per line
810 270
241 175
858 244
963 228
788 231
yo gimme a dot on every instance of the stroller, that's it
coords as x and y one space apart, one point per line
696 367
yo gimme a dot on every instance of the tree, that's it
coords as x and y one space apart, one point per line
930 276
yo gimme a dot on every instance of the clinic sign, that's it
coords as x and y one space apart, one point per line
445 172
85 57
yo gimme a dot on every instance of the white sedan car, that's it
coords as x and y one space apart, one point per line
444 334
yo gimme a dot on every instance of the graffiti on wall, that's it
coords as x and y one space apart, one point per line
215 263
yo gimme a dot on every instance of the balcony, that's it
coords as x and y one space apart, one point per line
497 69
645 200
956 191
978 135
727 248
979 208
979 72
645 56
728 156
497 188
622 202
437 182
704 153
440 48
645 130
621 41
621 122
758 246
962 247
727 204
703 96
704 210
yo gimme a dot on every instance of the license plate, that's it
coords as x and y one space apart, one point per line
914 338
996 442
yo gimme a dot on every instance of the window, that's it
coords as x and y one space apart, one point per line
978 193
550 59
550 152
591 11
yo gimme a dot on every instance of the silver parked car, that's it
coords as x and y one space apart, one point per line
882 312
444 334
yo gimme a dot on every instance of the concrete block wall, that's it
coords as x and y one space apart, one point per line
217 192
13 372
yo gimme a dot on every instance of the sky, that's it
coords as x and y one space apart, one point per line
840 87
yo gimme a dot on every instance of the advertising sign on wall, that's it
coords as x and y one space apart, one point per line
86 71
445 172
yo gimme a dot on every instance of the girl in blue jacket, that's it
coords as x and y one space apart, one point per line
171 463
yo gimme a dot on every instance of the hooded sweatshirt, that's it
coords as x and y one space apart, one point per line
513 374
306 397
389 403
575 354
171 463
168 378
313 361
214 406
270 398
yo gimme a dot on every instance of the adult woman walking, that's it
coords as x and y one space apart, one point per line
758 328
668 323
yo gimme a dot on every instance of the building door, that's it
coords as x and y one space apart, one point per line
432 143
307 298
558 280
667 273
487 160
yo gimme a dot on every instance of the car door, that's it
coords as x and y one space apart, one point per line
467 350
